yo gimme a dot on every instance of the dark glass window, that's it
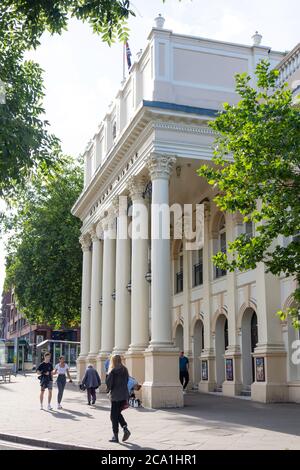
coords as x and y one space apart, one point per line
179 282
222 247
198 269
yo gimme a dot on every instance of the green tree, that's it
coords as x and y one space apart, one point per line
44 258
257 172
26 146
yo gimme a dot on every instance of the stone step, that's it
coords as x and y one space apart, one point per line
246 393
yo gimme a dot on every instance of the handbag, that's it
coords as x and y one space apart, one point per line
82 387
124 405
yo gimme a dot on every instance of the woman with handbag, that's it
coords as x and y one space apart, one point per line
116 382
91 381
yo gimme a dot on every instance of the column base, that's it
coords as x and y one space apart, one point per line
232 385
269 393
92 359
135 363
101 358
270 374
162 388
208 382
81 364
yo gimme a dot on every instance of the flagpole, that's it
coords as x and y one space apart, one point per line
124 49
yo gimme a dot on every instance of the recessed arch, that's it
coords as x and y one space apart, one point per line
220 311
250 304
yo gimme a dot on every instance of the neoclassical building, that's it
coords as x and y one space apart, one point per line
148 297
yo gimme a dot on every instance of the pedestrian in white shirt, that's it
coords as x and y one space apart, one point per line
63 370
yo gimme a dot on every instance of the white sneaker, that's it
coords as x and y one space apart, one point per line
59 407
50 407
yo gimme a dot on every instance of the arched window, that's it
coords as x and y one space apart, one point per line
221 244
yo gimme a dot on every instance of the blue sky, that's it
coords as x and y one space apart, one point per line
82 75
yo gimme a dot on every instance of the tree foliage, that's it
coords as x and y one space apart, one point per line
44 258
26 146
257 171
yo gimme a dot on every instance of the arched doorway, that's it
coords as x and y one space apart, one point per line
198 345
221 342
249 342
179 337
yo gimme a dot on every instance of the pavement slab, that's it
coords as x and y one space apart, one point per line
207 421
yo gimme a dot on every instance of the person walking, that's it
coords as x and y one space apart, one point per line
106 367
92 381
62 369
44 371
116 382
183 371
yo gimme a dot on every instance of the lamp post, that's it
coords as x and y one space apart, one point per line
128 287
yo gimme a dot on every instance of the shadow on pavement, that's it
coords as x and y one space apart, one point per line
226 415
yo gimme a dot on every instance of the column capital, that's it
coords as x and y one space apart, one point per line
99 230
136 187
108 220
85 241
160 165
93 233
119 205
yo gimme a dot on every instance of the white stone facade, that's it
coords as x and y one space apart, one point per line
156 131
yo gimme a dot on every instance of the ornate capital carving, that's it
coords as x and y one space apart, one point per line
160 166
93 233
99 230
136 186
119 205
108 221
85 241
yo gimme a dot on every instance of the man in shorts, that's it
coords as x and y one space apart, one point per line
45 371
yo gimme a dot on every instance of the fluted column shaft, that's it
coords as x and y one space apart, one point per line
85 296
139 267
108 285
160 169
122 308
96 283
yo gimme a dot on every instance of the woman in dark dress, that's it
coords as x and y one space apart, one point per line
116 382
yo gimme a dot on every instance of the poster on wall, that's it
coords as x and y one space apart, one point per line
204 372
229 369
260 369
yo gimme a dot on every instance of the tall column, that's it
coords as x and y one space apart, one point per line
108 286
270 354
135 360
95 329
208 359
122 308
161 388
233 352
85 304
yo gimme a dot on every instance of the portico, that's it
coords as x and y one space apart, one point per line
146 292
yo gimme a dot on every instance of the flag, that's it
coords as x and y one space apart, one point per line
128 55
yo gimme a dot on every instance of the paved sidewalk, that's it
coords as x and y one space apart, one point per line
206 422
